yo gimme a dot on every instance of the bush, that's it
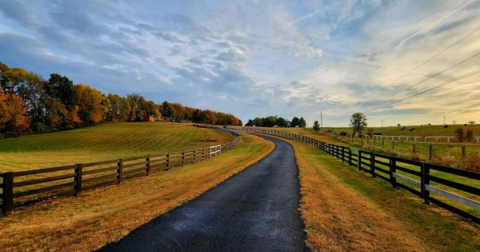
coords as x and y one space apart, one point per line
472 161
445 160
38 127
343 133
469 135
370 132
459 134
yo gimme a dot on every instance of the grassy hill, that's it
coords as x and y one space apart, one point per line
103 142
433 130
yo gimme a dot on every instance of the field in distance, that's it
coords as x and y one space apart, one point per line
103 142
432 130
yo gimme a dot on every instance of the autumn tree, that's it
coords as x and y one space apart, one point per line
12 113
90 108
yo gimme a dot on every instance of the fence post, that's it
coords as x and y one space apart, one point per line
78 179
203 154
183 158
422 180
359 158
147 165
372 164
430 152
119 171
349 156
393 170
194 156
426 181
343 154
7 203
167 162
393 145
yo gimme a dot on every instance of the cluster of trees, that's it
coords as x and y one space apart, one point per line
30 104
271 121
464 136
178 112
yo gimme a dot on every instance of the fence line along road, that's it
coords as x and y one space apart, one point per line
34 185
453 189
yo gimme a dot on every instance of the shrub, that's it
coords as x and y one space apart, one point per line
445 160
343 133
472 161
459 134
38 127
469 135
370 132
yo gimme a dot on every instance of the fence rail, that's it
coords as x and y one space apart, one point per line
453 189
34 185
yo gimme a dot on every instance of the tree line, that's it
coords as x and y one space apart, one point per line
30 104
272 121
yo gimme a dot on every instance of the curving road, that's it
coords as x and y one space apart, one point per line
255 210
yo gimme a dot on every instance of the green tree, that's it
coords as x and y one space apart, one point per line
295 121
316 126
258 122
302 123
358 122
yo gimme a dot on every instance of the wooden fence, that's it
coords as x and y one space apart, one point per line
22 187
453 189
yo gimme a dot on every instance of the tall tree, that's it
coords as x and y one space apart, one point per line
358 122
302 123
12 113
90 108
295 121
61 87
316 126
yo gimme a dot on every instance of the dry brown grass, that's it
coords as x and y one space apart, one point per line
346 210
106 214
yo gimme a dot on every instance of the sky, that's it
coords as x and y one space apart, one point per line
408 62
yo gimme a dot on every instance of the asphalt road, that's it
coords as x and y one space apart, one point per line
255 210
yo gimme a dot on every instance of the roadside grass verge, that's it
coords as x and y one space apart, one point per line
106 214
347 210
103 142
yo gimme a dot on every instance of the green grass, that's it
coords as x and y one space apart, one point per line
103 142
433 130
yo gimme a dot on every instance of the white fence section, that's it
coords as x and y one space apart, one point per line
214 150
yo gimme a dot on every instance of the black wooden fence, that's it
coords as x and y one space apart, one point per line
34 185
453 189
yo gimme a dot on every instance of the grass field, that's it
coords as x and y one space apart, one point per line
433 130
103 142
347 210
106 214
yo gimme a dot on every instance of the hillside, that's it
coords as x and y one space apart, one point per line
103 142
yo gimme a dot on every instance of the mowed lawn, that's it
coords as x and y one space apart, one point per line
105 214
103 142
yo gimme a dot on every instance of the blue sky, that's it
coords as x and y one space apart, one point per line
260 58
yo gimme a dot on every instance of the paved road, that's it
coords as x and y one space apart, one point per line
255 210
